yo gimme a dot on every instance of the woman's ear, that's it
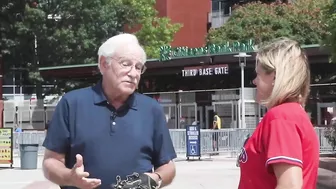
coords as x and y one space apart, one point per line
273 78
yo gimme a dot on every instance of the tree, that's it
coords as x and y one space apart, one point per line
71 31
262 22
330 22
16 41
152 31
155 33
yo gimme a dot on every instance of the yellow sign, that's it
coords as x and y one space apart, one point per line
6 146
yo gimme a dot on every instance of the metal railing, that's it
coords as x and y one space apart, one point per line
27 115
230 141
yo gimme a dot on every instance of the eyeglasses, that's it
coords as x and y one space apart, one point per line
128 65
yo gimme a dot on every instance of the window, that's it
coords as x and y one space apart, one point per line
223 6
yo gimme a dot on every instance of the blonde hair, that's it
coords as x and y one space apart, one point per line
287 60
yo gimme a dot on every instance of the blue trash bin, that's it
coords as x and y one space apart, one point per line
28 156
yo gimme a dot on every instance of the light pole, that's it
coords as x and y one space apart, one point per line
242 93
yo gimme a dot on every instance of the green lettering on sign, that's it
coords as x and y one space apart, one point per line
167 52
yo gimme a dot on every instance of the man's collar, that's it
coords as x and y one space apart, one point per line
100 98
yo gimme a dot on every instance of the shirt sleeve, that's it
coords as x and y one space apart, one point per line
163 146
282 143
58 135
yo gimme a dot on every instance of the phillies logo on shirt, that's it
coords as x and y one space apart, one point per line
243 156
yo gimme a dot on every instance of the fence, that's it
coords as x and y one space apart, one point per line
27 114
229 140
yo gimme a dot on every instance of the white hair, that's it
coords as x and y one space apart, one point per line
110 46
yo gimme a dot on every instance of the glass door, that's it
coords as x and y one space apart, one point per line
225 111
187 114
170 113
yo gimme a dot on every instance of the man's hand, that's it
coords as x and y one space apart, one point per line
78 177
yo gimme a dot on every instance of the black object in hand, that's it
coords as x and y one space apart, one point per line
135 181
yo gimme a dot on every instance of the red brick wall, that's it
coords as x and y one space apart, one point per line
193 14
161 7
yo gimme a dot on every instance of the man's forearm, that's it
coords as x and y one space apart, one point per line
167 173
56 172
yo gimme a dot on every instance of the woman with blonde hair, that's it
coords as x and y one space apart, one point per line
283 151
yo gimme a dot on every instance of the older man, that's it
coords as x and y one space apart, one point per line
99 136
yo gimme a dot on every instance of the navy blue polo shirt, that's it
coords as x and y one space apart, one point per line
113 142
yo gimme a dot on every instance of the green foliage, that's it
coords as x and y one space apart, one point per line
263 22
84 25
17 39
75 37
330 23
154 31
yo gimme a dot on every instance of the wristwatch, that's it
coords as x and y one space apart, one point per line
160 180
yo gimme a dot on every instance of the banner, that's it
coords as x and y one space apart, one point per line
6 146
193 133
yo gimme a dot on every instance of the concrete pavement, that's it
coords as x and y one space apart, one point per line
210 173
214 173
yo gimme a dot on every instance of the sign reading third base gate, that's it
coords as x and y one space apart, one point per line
193 135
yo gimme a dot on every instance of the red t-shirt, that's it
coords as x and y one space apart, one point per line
285 135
